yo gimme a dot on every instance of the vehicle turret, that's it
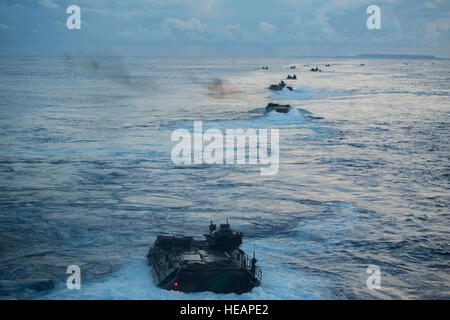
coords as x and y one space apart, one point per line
224 239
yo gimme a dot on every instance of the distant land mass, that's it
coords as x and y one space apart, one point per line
392 56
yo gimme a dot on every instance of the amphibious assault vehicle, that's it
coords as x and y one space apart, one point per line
215 264
280 108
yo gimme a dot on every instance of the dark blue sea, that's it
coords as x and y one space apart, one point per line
86 176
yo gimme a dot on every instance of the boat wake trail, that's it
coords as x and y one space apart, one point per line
134 281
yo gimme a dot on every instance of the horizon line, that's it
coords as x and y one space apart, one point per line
357 56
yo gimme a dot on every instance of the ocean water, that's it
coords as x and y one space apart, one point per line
86 176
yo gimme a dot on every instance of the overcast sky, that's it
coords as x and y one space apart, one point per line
225 27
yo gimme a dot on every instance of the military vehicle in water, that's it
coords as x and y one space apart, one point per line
278 87
280 108
216 264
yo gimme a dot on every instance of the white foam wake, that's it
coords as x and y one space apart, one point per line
134 281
